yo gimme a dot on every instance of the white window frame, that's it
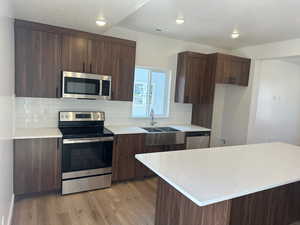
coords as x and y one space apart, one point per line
168 92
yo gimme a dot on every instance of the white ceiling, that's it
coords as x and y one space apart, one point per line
206 21
77 14
212 21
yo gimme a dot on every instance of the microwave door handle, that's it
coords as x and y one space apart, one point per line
100 87
87 140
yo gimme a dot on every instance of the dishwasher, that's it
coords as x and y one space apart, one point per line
198 139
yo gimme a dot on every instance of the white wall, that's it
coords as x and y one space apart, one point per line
231 112
6 112
278 103
235 115
153 51
274 50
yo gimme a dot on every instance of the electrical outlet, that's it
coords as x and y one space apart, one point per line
2 220
223 141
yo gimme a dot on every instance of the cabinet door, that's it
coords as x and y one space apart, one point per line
123 61
223 71
232 70
191 72
75 52
196 71
37 164
124 162
38 63
245 72
239 71
100 57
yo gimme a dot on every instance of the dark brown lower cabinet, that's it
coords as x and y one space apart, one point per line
37 165
124 162
175 147
125 166
142 171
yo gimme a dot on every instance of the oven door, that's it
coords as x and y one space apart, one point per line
86 157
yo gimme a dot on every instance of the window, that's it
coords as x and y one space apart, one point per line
151 91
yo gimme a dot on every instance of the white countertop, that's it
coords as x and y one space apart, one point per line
30 133
126 130
189 128
138 130
213 175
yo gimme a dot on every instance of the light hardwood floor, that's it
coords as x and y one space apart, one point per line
130 203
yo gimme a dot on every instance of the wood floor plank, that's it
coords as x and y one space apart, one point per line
129 203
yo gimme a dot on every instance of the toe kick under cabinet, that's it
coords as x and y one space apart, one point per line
37 165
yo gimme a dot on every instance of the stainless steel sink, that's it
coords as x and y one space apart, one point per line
152 129
163 136
159 129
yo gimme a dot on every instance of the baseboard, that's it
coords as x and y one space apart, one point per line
11 210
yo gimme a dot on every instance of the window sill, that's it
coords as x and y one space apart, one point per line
155 117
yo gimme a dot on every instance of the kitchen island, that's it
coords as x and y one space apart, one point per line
239 185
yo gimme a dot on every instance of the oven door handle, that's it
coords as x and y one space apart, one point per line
87 140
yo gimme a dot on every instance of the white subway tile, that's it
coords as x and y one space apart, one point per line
43 112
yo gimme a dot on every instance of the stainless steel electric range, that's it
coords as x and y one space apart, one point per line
86 153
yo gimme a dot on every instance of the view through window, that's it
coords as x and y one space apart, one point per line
151 91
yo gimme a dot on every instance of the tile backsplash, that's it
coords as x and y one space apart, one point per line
43 112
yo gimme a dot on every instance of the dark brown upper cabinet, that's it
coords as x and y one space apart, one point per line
87 55
196 77
123 58
75 54
44 51
100 57
37 63
117 60
232 69
191 81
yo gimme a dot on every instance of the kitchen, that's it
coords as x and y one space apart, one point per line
154 94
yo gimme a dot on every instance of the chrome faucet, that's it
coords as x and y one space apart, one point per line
152 123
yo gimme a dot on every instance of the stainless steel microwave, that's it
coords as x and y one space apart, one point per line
86 86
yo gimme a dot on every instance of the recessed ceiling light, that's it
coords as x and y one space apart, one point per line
101 23
235 34
180 21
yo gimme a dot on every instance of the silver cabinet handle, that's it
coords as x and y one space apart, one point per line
87 140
